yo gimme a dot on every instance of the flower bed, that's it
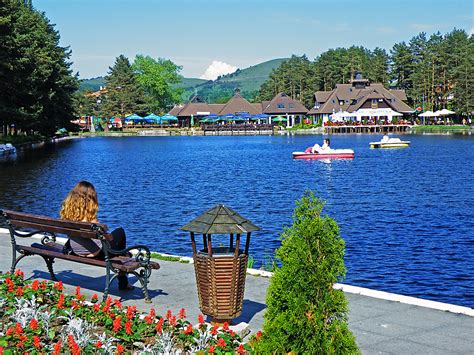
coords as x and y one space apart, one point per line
37 317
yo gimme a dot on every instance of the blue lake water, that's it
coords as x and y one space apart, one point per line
406 215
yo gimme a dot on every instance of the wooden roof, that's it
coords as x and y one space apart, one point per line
238 104
220 220
347 97
286 103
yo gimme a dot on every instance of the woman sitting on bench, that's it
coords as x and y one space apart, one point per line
81 205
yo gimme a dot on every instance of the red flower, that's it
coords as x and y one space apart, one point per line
19 291
117 324
94 297
43 285
214 330
10 331
118 304
128 327
35 285
241 349
1 350
211 350
148 319
18 329
221 343
59 286
169 314
74 305
36 342
152 313
78 292
232 333
98 345
96 307
34 324
225 326
57 348
60 301
19 273
75 349
172 321
258 335
159 325
182 313
119 349
131 311
201 319
10 284
189 329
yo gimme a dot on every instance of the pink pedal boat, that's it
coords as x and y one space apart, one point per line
325 154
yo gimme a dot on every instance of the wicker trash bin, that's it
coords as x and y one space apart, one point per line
220 271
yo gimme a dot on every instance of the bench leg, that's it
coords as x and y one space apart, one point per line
15 261
143 277
49 265
108 281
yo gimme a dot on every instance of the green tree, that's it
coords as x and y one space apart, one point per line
293 77
124 94
305 314
37 84
460 70
158 78
378 71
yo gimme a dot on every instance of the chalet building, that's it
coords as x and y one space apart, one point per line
359 94
281 104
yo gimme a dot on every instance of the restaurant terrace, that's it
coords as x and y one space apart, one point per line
281 108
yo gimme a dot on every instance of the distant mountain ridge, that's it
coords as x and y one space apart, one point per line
248 80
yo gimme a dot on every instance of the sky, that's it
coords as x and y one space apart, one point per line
212 37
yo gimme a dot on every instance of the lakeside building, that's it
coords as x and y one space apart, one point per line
280 105
360 98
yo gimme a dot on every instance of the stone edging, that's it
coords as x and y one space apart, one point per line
393 297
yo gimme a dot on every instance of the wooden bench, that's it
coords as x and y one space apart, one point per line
23 225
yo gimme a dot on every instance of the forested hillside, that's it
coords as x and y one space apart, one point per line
435 71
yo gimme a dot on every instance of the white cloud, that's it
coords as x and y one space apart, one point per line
217 68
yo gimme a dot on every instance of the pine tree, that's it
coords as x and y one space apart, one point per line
124 94
305 314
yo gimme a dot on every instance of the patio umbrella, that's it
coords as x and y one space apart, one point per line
428 114
134 118
279 119
169 117
444 112
228 117
153 118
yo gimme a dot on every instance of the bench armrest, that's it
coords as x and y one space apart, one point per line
142 255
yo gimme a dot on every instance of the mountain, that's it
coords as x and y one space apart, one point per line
248 80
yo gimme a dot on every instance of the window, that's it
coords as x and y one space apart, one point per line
281 105
291 105
375 104
341 102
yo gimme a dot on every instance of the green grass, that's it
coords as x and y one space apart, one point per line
17 140
159 256
440 128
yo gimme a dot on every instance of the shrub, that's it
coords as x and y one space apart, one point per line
305 313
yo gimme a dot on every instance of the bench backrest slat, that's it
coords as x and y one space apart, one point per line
53 225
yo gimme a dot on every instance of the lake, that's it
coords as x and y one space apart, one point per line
406 215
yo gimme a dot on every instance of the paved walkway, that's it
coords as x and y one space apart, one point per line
380 326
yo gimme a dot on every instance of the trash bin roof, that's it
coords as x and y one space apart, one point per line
220 220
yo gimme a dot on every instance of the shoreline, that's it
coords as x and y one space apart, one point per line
356 290
415 130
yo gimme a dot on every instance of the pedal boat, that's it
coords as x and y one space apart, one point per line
6 149
390 143
324 154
